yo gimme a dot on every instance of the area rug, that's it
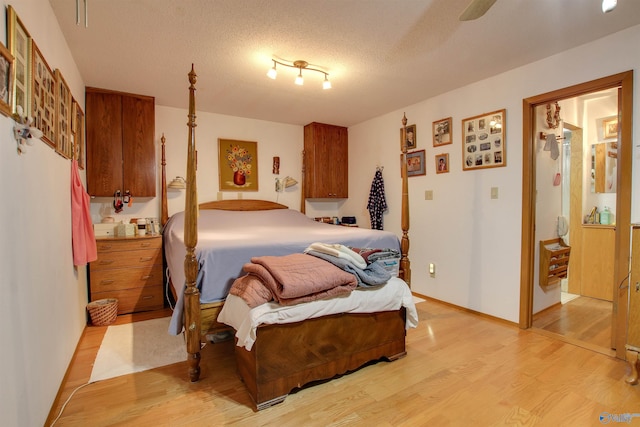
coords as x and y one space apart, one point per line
136 347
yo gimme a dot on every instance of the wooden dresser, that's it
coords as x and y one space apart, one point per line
129 269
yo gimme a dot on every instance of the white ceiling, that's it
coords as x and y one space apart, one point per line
381 55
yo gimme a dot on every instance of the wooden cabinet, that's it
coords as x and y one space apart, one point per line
129 269
120 143
598 258
326 161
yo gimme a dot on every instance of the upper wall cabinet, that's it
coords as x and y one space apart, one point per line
120 143
326 162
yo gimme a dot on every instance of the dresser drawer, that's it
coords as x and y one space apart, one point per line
117 279
127 259
136 299
114 245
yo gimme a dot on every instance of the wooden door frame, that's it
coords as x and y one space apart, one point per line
624 81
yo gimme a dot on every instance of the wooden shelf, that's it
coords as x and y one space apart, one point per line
554 261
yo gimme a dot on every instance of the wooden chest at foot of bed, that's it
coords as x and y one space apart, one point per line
288 356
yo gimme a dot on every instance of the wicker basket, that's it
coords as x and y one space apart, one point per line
103 311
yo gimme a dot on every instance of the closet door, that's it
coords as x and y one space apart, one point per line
104 143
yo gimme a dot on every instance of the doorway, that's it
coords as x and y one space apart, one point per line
623 82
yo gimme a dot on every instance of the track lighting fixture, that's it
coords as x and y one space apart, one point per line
300 65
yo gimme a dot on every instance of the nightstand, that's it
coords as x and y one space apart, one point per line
129 269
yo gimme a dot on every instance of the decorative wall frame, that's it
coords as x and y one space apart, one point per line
237 165
6 81
416 164
442 132
483 141
19 44
607 128
442 163
78 141
43 97
63 117
412 137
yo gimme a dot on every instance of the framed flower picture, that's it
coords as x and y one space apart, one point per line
237 165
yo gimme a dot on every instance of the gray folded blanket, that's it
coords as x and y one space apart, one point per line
372 275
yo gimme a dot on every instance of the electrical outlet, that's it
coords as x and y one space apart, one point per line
432 269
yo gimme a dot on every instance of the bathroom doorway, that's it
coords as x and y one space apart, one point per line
536 217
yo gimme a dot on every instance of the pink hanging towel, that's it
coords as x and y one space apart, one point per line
82 236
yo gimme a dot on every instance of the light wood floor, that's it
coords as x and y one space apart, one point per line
583 321
461 370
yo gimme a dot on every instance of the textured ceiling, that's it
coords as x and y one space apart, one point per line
381 55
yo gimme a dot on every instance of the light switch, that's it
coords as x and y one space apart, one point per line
428 195
494 192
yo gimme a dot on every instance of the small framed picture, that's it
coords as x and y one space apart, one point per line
6 81
411 138
416 165
442 163
483 141
43 97
610 127
19 44
64 147
442 132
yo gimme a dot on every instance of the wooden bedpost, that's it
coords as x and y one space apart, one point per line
165 210
405 264
191 292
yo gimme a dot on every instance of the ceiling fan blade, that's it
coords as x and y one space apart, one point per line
476 9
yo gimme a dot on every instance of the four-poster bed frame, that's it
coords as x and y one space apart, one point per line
317 349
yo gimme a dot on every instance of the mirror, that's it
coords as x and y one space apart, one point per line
604 167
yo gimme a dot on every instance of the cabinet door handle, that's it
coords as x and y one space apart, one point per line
145 258
105 247
145 245
147 297
106 262
147 277
106 282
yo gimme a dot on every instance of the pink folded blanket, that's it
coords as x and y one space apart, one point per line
291 279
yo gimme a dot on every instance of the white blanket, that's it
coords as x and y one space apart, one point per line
245 321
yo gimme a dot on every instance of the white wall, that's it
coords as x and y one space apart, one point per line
42 309
475 240
274 139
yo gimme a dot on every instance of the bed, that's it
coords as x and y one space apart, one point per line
334 340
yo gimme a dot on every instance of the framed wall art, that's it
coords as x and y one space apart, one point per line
78 140
63 116
6 81
412 138
442 163
416 165
608 127
237 165
442 132
43 97
19 45
483 141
